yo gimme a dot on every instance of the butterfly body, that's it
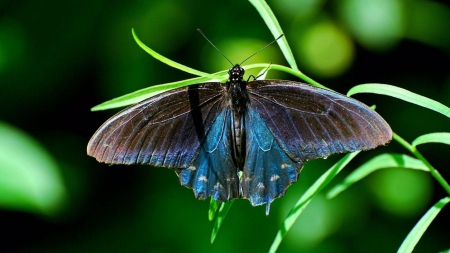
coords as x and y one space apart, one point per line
265 128
237 101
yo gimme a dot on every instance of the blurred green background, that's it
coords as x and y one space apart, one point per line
58 59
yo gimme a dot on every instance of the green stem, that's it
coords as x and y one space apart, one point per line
433 171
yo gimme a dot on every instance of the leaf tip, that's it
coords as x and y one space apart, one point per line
95 108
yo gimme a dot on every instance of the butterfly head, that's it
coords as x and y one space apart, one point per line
236 74
236 87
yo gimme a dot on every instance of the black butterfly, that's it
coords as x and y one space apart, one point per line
266 129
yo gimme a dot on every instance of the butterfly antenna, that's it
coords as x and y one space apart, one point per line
200 31
262 48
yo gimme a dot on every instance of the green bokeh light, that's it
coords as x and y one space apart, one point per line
429 23
401 191
314 225
326 50
376 24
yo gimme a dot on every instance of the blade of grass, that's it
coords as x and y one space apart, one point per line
170 62
382 161
432 138
306 198
213 206
408 96
220 217
419 229
272 23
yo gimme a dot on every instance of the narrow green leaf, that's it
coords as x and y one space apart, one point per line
382 161
172 63
213 206
432 138
307 197
271 21
419 229
220 217
408 96
445 251
137 96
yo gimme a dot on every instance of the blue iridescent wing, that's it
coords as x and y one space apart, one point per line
183 129
268 170
288 123
213 172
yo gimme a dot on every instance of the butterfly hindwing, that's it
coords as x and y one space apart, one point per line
268 170
213 172
309 122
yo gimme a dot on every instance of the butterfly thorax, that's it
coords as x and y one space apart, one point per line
238 98
237 89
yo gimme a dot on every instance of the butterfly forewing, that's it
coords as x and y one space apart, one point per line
165 130
310 122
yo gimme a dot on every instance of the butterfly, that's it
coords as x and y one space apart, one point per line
239 139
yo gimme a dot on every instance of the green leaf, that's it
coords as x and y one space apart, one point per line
213 206
307 197
389 90
383 161
220 217
29 177
432 138
271 21
137 96
419 229
172 63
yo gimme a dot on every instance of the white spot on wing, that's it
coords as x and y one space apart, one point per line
203 178
191 168
285 165
260 186
217 186
274 177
